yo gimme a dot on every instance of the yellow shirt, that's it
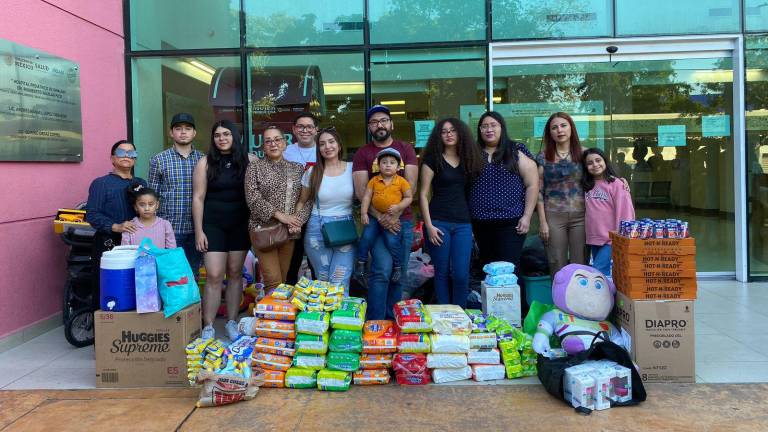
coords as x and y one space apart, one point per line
387 195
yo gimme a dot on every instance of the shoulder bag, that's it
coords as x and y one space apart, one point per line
272 235
336 233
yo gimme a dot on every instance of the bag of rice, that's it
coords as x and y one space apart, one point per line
275 309
273 328
299 378
379 336
281 347
410 317
271 361
346 341
482 340
314 323
488 372
309 361
311 344
375 361
440 376
351 314
341 361
228 387
331 380
450 344
448 319
371 377
413 342
489 356
274 378
446 360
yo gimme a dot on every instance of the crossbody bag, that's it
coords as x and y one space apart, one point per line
336 233
273 235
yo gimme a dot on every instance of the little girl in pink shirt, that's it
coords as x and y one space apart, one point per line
145 201
607 202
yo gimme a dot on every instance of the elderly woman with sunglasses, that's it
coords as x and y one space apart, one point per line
108 209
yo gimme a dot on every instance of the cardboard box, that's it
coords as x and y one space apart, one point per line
660 337
144 350
686 246
502 301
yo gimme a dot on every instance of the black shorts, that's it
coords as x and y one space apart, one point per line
226 231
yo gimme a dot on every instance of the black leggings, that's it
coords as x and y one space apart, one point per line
498 240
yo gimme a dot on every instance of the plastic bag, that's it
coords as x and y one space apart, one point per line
478 319
501 280
281 347
449 319
274 378
411 317
498 268
346 341
413 343
147 294
331 380
275 309
346 362
175 279
351 314
422 377
272 362
371 377
440 376
375 361
482 340
535 312
379 336
484 356
312 344
298 378
314 323
267 328
488 372
419 269
412 363
446 360
226 388
450 344
309 361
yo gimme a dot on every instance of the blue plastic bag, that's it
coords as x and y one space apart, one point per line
175 279
499 268
145 276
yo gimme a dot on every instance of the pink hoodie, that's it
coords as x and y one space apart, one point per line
606 205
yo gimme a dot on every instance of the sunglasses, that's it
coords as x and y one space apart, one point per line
133 154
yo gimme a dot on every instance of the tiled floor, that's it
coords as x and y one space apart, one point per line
731 345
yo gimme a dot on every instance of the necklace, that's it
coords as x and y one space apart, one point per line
563 155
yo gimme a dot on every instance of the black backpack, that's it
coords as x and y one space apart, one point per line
552 371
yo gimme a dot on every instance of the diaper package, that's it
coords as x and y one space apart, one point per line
268 328
343 361
375 361
274 379
309 361
440 376
271 361
351 314
281 347
275 309
449 319
298 378
411 317
450 344
482 340
311 344
488 372
484 356
379 336
283 292
371 377
413 342
435 361
314 323
331 380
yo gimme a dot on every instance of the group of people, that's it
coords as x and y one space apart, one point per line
480 188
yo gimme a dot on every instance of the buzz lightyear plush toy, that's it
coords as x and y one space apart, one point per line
583 298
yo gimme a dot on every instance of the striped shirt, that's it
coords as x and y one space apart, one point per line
170 174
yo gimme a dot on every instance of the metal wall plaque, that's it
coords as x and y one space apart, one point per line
40 117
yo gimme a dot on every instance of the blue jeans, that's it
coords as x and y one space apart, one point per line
187 242
601 258
374 231
451 261
333 265
383 294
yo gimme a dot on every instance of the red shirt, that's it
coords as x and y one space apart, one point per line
365 160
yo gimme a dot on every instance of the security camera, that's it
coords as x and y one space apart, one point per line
612 49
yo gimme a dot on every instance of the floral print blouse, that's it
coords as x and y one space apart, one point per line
560 186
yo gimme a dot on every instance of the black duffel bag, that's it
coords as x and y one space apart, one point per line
551 372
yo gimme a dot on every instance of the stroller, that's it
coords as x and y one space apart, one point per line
78 296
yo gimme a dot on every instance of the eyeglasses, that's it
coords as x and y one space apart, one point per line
489 126
275 141
383 122
132 154
446 132
305 128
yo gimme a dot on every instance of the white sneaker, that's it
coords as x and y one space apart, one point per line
231 329
208 332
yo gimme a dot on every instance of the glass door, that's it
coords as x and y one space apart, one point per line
665 120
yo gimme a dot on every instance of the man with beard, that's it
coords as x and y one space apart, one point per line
382 293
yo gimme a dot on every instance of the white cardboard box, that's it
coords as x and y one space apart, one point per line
502 301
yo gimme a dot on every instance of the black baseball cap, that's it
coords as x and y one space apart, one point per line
376 109
182 118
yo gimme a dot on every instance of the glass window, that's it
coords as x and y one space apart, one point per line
755 15
184 24
329 85
421 86
757 152
303 23
652 17
527 19
402 21
206 87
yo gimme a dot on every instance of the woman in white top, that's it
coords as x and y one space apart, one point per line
328 187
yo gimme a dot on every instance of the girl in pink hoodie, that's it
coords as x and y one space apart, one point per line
607 202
